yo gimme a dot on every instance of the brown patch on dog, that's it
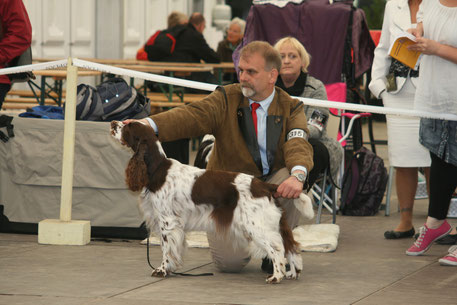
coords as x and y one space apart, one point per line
290 245
217 188
261 189
136 173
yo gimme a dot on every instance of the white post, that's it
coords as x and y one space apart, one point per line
64 231
68 143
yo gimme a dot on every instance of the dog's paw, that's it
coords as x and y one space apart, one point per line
292 275
159 272
274 279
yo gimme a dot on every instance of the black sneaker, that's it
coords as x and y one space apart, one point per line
267 266
450 239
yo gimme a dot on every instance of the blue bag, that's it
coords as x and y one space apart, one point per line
44 112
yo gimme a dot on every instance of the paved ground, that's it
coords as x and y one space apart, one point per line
365 269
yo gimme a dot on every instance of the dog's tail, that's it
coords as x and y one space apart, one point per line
305 206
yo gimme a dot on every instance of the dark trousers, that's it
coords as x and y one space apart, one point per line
178 150
4 88
443 181
321 161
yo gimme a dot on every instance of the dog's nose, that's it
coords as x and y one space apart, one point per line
113 124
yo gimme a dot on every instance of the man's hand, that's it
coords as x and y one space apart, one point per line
290 188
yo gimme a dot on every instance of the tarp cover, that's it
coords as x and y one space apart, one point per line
31 167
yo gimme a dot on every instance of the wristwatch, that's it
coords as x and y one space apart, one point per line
300 177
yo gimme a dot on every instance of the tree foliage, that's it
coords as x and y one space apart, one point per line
374 9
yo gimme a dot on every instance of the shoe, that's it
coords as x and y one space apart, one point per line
267 265
451 258
398 234
426 237
450 239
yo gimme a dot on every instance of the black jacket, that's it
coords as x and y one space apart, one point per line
191 46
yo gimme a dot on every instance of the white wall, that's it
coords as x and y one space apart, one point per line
105 28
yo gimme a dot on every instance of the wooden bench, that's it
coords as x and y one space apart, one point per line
29 93
17 103
187 97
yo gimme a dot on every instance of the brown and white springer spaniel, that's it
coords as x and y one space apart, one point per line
176 198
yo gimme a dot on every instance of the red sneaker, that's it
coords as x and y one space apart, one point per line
426 238
451 258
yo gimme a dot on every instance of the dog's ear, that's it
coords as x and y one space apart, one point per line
136 173
130 136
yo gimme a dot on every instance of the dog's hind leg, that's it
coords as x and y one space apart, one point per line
173 243
291 248
295 263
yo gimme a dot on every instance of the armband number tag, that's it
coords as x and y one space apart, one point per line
297 133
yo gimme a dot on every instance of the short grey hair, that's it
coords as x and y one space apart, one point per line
241 23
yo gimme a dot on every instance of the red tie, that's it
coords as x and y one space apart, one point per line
254 115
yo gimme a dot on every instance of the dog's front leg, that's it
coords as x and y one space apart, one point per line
173 243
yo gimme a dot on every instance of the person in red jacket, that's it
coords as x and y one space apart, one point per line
15 37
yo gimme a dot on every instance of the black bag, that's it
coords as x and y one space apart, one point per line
121 101
113 99
88 104
21 60
364 184
162 44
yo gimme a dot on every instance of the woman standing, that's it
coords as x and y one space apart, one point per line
437 93
396 84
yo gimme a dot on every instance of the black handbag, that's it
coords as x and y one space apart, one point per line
21 60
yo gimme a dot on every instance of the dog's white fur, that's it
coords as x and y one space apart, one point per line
170 212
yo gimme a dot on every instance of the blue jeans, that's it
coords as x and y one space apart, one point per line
440 137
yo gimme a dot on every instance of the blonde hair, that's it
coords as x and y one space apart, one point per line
271 56
176 18
304 55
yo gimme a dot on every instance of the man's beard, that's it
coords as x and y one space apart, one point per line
247 90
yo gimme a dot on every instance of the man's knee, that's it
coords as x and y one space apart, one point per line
231 264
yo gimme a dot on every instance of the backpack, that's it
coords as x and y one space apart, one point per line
364 184
88 103
160 45
112 100
121 101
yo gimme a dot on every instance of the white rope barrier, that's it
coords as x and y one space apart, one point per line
40 66
210 87
307 101
146 76
377 109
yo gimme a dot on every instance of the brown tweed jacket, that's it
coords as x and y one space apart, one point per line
225 113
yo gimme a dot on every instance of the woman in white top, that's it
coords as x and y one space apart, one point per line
395 83
437 93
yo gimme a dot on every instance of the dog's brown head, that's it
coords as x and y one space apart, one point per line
148 153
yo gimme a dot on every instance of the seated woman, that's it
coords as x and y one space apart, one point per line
294 79
234 36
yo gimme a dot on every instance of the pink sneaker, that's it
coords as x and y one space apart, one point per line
451 258
426 237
